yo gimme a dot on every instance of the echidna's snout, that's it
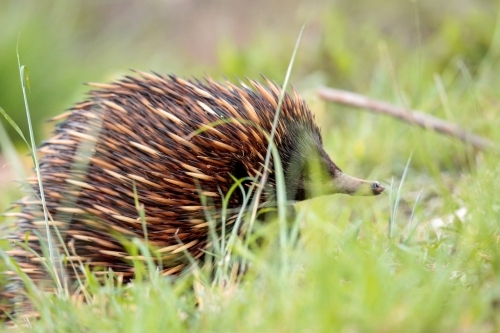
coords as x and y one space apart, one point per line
355 186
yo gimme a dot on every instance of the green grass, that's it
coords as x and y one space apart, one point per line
347 274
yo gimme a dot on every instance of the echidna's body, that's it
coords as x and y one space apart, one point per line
176 140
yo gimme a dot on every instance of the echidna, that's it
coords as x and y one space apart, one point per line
174 141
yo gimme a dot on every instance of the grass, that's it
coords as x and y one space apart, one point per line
362 264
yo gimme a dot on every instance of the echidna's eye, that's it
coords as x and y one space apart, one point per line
375 185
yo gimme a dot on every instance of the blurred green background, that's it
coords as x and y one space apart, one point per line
440 57
64 44
436 56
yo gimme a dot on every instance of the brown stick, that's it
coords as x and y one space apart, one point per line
410 116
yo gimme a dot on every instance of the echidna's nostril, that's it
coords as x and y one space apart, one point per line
377 188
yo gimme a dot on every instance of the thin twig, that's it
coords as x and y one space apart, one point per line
410 116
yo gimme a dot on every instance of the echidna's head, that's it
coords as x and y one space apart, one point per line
310 172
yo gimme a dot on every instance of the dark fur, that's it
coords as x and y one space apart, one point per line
121 135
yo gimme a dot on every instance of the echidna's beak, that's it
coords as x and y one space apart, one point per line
355 186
